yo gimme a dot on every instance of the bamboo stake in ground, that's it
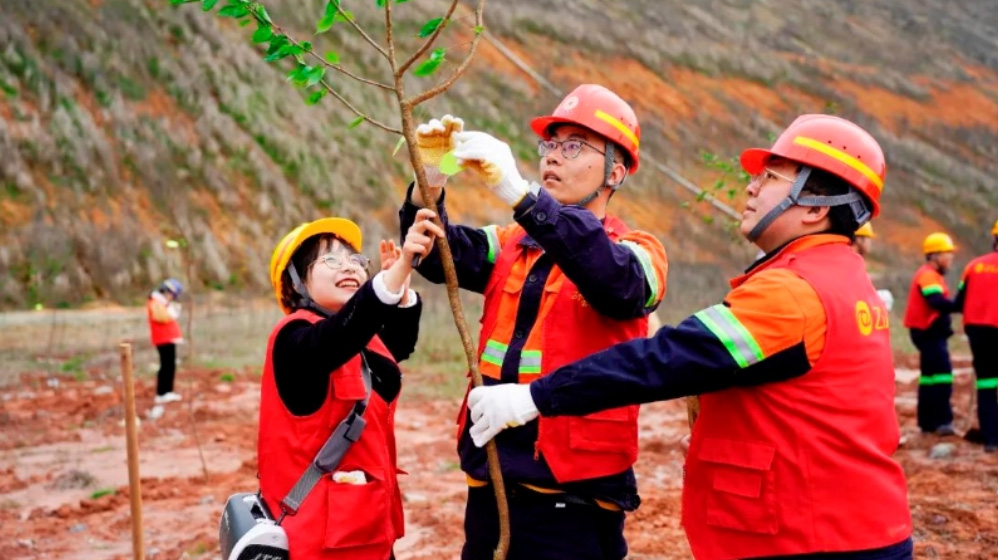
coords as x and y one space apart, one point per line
134 484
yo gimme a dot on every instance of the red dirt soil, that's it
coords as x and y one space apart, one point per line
61 443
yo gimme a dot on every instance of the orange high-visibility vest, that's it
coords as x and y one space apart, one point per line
804 465
980 303
919 314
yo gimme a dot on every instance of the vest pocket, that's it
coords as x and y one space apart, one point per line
741 493
358 514
614 430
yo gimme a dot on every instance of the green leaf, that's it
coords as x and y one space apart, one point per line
332 7
332 58
315 97
449 165
430 26
276 43
263 34
343 16
261 11
207 5
427 67
179 2
314 76
356 122
306 46
380 3
479 29
234 11
245 22
401 1
102 492
431 65
398 145
325 24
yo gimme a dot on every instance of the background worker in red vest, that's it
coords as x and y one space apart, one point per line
566 280
791 453
928 319
977 297
862 244
163 311
337 321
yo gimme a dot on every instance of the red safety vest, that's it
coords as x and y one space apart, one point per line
804 465
980 304
336 521
161 333
919 314
575 448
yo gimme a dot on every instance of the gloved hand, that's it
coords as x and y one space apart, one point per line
434 140
492 159
888 298
493 409
173 308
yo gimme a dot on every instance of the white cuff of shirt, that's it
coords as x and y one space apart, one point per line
411 298
381 290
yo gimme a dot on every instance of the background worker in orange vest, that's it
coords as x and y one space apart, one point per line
163 311
565 281
928 319
977 297
862 244
338 324
791 454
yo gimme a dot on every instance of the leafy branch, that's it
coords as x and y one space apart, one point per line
314 79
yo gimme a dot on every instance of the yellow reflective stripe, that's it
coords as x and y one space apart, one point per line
615 123
932 289
650 275
843 157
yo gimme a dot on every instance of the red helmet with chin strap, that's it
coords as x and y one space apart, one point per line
600 110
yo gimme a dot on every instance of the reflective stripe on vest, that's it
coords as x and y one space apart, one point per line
730 331
495 352
650 276
492 234
987 383
936 379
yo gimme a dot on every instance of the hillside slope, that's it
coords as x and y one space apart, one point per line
124 123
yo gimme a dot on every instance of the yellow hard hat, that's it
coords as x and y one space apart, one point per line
938 243
994 230
865 230
279 259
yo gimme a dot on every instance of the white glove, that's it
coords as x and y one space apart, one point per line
492 159
493 409
434 140
888 298
173 308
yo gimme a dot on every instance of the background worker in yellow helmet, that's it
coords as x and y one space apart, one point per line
928 319
334 354
564 281
977 297
791 455
862 244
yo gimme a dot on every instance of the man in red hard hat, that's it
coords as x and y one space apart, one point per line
791 453
567 279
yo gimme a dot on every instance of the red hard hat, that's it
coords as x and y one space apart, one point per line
600 110
833 144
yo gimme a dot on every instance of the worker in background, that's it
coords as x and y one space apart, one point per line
977 298
928 319
567 279
791 453
862 244
163 310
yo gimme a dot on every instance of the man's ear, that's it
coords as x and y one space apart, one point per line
815 214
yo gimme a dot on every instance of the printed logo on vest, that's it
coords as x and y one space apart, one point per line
864 319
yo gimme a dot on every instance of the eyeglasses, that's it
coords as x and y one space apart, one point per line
570 148
339 261
768 173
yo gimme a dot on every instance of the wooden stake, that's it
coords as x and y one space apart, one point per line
134 484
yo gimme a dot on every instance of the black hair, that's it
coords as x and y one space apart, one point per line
823 183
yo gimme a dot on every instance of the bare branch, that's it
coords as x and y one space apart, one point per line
360 30
356 111
389 38
429 42
342 70
413 101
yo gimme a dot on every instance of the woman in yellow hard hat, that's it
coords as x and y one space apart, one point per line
928 319
331 365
